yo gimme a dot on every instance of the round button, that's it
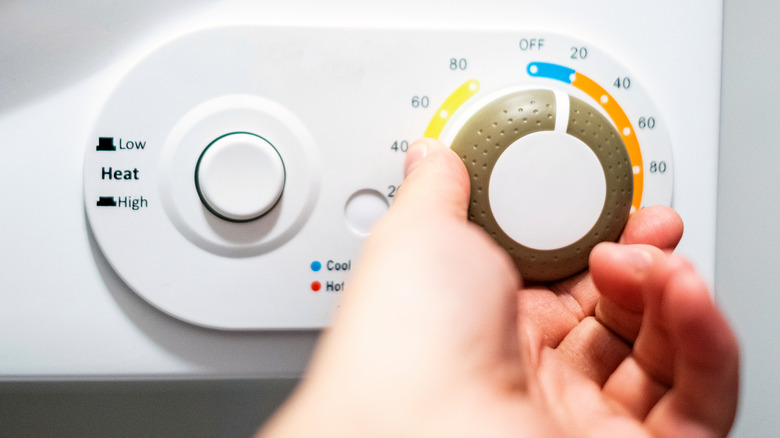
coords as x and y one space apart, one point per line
240 177
363 210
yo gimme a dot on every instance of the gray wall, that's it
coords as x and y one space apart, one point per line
139 409
748 259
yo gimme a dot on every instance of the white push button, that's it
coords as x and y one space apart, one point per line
364 208
240 177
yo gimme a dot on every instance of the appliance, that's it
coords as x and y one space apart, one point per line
127 256
340 96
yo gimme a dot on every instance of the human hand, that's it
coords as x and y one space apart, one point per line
436 337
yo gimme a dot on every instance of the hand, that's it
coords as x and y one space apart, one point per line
435 337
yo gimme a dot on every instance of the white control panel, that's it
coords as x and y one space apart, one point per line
226 164
252 149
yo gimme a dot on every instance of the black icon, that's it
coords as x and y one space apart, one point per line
105 144
106 201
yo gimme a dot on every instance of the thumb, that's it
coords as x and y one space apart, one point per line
435 182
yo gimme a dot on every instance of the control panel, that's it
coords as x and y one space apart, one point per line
234 172
189 186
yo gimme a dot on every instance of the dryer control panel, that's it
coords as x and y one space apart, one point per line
189 186
234 172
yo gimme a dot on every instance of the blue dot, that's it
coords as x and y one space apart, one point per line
316 266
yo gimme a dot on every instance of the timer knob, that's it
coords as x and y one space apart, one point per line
550 179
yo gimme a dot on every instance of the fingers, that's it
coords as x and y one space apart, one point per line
683 371
653 348
428 223
657 226
705 370
592 350
597 346
620 272
435 182
427 276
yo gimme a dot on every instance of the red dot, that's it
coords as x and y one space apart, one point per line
316 286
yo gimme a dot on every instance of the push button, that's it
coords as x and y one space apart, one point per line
240 177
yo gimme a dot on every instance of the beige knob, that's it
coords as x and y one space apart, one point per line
550 179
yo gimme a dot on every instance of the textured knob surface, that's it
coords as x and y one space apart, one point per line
501 123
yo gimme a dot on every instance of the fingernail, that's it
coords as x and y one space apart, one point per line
637 257
417 152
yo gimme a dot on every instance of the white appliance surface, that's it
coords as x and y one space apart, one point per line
66 313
